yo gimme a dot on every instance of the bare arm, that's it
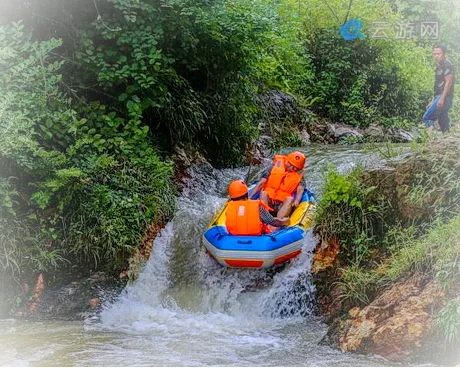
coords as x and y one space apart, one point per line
283 221
258 187
299 194
268 219
449 81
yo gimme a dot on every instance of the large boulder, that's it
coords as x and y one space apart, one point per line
278 106
327 132
304 137
319 132
397 135
338 132
395 325
281 114
374 133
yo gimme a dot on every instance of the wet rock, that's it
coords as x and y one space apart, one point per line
395 325
327 132
278 106
39 287
70 300
94 303
399 135
374 133
330 303
304 137
325 255
342 131
185 156
329 293
338 132
319 132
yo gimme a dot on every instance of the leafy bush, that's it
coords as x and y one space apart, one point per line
349 210
87 187
183 67
9 248
437 186
364 90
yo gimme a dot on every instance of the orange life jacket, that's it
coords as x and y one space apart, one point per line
242 218
281 183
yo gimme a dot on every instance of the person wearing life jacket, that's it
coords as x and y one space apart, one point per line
245 216
282 186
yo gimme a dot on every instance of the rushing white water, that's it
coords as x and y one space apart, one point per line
186 310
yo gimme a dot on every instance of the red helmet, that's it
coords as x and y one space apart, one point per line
237 188
296 159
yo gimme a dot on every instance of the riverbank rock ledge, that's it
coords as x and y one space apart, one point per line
71 299
398 323
331 133
394 325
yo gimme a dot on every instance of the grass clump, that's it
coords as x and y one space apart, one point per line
437 252
359 285
448 321
351 212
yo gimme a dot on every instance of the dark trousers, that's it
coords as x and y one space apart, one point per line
442 114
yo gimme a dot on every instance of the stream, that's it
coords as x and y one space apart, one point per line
186 310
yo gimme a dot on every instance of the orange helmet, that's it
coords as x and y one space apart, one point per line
296 159
237 188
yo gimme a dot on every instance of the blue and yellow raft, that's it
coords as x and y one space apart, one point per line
261 251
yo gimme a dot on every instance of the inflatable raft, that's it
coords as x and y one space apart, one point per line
261 251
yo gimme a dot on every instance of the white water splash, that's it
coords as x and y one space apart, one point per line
184 295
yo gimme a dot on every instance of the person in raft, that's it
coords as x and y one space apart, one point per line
246 216
282 185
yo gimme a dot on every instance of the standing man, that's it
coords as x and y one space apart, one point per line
441 102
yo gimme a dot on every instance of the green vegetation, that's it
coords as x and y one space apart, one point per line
351 212
415 227
76 190
449 321
385 150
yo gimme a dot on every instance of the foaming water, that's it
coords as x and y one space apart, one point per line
187 310
185 300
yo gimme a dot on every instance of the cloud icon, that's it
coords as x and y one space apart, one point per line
351 30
